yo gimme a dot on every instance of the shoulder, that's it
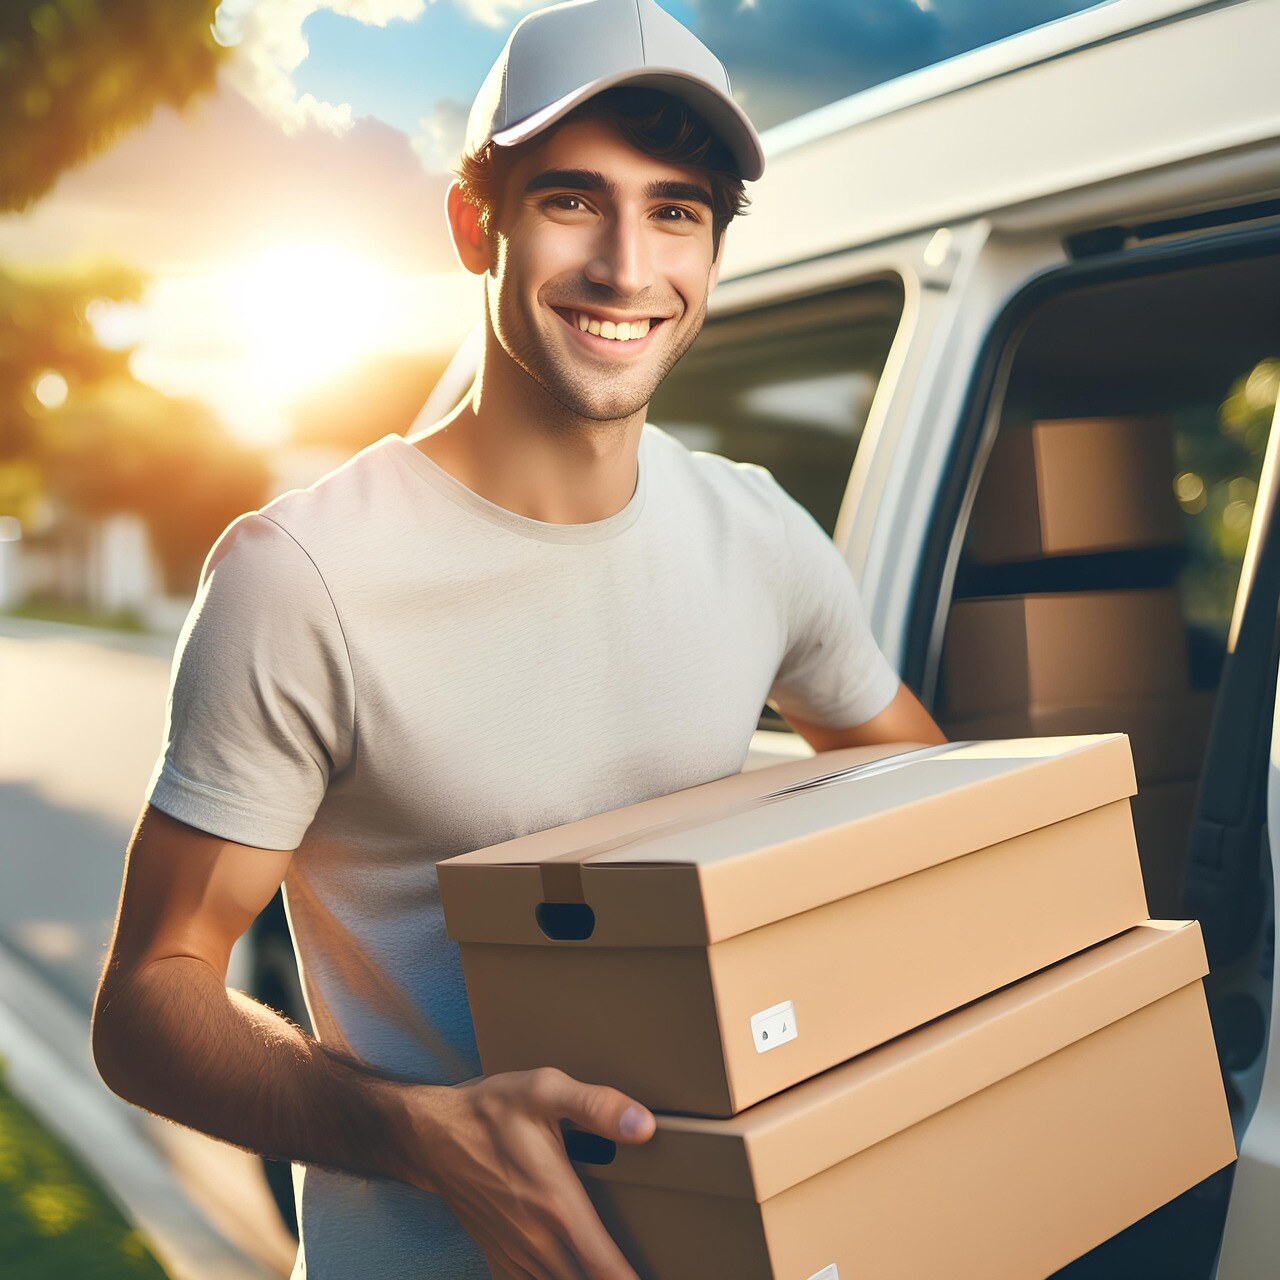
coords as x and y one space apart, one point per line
742 489
256 566
324 520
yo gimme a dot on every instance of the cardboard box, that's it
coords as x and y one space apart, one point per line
1071 486
736 938
1007 653
1168 736
1162 817
1000 1142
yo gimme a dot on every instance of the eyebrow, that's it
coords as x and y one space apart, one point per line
594 180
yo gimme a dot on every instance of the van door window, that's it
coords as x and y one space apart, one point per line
788 387
1098 577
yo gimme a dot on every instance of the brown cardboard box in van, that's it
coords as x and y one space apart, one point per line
1069 486
704 950
1000 1141
1162 821
1007 653
1167 735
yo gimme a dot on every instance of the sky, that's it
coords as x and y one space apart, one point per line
293 221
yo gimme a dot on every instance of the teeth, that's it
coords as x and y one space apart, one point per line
622 331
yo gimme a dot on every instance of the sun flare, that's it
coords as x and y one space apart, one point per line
309 310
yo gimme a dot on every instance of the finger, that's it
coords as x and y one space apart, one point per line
534 1248
594 1249
601 1110
548 1258
502 1267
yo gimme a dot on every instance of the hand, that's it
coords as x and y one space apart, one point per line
492 1150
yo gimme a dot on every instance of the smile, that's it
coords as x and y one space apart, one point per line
601 332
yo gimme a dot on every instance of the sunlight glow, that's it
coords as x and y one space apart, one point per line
310 310
250 336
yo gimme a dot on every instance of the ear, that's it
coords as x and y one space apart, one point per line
469 240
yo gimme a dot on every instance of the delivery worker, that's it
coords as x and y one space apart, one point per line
534 610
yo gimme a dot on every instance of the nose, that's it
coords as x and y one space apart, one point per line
622 260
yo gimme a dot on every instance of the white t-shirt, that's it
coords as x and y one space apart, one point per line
385 669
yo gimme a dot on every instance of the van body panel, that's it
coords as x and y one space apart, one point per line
1110 107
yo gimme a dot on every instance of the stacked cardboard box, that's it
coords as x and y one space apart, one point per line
1085 662
818 974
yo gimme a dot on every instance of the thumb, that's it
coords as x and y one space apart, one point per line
605 1111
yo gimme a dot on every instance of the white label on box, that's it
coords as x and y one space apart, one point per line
827 1273
772 1027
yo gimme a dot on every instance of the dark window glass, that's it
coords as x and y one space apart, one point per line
1202 346
789 388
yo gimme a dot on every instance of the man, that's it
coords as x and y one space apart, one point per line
538 609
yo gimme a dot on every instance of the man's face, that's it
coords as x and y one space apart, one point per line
594 233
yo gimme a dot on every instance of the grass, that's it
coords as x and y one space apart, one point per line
55 1221
78 615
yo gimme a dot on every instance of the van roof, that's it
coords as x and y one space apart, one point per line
1111 91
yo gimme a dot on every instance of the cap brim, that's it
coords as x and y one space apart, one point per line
723 116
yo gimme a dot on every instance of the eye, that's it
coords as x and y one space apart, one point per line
682 214
567 203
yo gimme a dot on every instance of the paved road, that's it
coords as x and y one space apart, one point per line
81 726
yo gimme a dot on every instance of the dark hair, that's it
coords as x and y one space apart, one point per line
660 125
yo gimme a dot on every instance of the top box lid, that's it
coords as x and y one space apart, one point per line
705 864
797 1134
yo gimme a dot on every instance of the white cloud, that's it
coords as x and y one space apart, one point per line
270 45
499 13
440 135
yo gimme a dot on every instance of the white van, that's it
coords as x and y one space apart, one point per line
1079 221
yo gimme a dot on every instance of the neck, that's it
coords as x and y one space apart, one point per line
514 444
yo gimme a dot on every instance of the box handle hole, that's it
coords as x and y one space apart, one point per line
589 1148
565 921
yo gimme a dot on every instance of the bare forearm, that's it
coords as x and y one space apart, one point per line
173 1039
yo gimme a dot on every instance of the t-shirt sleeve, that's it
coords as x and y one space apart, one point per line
832 672
261 709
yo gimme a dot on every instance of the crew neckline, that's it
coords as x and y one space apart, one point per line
524 526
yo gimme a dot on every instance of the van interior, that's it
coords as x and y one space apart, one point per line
1160 385
1173 379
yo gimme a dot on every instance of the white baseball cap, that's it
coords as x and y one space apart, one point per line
560 56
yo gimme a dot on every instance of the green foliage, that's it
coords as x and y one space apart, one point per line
78 615
75 74
54 1219
113 443
44 325
1220 462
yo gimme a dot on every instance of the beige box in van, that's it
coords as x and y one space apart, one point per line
708 949
1072 486
1008 653
1000 1141
1167 735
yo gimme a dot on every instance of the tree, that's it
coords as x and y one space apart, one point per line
76 425
75 74
123 446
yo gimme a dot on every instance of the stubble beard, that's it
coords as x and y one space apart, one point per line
586 396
